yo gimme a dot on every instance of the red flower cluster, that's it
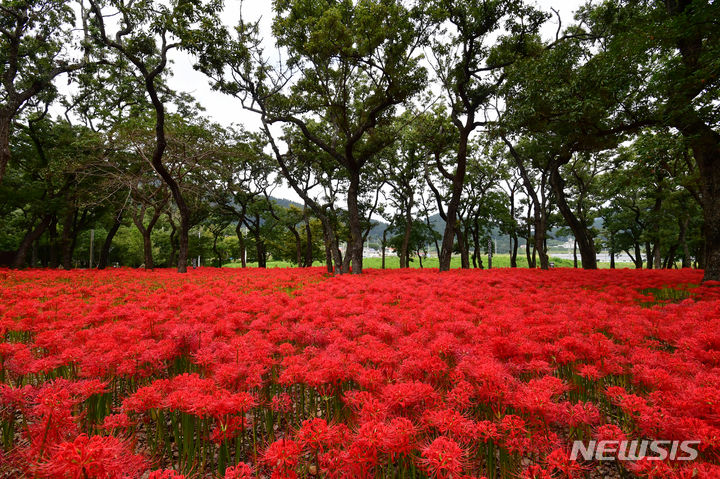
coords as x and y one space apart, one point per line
290 373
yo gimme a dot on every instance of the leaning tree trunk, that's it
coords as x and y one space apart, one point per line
453 205
30 237
575 254
157 164
638 256
105 251
580 231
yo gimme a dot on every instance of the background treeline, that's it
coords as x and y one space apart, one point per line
455 122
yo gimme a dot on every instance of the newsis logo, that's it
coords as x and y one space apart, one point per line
635 450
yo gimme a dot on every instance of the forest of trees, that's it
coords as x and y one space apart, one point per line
493 114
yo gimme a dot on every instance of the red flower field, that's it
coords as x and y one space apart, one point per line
402 373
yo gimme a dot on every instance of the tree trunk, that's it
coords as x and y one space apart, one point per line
34 254
513 232
105 251
638 257
475 230
539 245
147 249
157 163
67 238
490 253
53 244
462 244
355 245
575 254
682 239
328 249
458 180
308 239
298 247
657 256
218 255
670 258
184 243
261 252
580 231
30 237
530 257
173 241
612 251
146 232
4 145
657 259
649 255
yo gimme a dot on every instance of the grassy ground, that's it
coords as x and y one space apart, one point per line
499 261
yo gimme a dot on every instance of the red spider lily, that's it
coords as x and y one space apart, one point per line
282 456
443 458
90 456
240 471
559 460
